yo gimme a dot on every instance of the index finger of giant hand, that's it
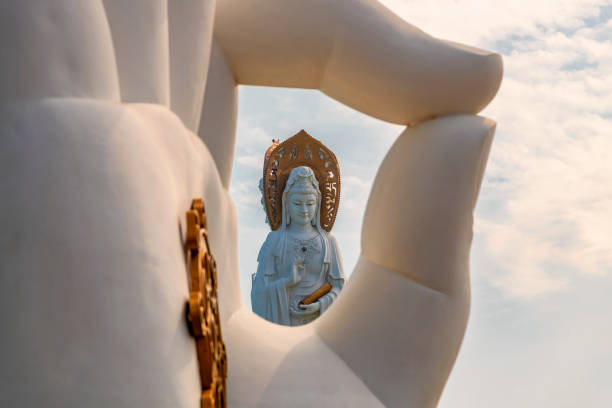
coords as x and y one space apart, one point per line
357 52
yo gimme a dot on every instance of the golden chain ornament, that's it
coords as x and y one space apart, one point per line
203 309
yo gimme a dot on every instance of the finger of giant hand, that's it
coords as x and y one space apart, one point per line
92 269
162 49
357 52
190 28
56 49
401 316
140 39
217 120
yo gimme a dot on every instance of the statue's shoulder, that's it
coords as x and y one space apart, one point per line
273 237
332 239
270 243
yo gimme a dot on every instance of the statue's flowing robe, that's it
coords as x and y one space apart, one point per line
269 295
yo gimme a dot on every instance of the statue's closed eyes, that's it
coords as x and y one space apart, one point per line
300 269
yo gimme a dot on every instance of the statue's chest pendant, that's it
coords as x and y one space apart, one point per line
306 249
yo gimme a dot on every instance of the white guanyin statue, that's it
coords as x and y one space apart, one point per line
299 259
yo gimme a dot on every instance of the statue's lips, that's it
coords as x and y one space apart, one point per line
304 217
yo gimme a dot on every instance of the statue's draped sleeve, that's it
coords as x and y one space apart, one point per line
335 272
268 295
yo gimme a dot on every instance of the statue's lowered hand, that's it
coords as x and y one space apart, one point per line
303 310
313 307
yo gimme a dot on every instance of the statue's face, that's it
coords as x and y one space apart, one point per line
302 207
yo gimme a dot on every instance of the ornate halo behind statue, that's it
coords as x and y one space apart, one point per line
301 150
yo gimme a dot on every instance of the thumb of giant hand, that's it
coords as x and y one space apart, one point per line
401 317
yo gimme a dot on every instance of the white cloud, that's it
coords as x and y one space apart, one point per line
253 161
246 196
546 211
553 151
354 195
481 22
254 139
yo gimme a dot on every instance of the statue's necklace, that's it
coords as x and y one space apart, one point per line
305 245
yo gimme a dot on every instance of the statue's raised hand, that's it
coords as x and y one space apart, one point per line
297 273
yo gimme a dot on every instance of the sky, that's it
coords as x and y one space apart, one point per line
540 330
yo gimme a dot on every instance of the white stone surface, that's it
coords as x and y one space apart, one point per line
93 194
58 50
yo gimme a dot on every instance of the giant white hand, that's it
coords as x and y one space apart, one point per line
401 317
94 189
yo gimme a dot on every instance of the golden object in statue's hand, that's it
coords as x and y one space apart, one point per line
317 294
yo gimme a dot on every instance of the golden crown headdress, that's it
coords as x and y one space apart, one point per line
301 150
